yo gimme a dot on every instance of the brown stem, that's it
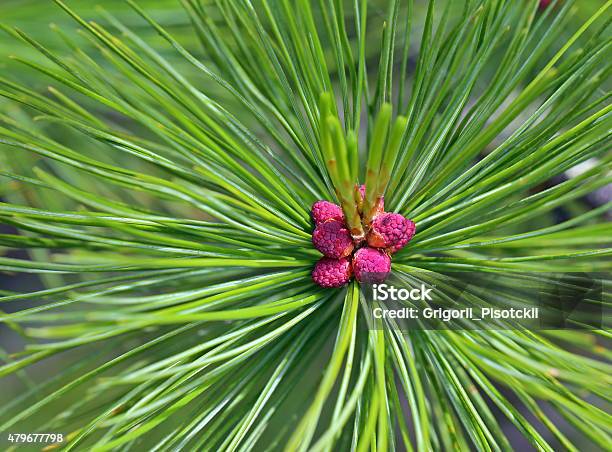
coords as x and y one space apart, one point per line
373 212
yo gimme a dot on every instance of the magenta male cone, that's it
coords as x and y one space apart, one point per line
330 272
333 239
371 265
391 231
323 211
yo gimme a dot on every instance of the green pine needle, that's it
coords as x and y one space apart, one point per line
158 165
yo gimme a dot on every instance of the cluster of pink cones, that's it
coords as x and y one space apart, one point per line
368 260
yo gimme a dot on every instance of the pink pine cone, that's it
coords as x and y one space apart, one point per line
371 265
333 239
323 211
330 272
391 231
